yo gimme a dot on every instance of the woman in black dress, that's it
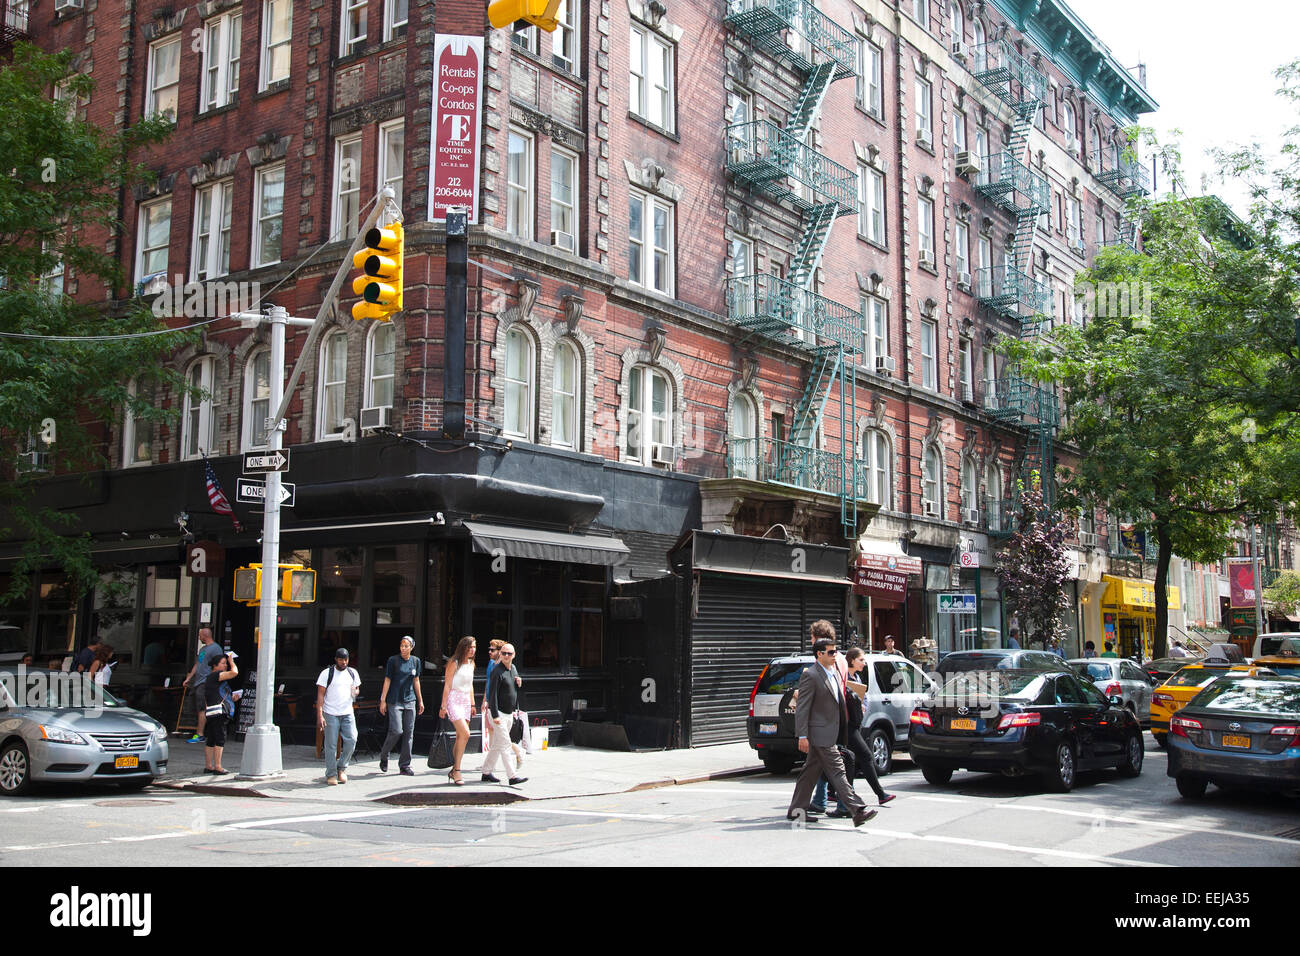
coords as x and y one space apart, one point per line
857 660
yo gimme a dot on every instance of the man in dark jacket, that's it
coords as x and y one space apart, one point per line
503 699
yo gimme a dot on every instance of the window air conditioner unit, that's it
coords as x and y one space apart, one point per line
972 516
1077 244
562 239
929 509
926 259
923 137
968 163
963 278
959 50
375 418
885 365
61 5
1087 539
1072 144
662 456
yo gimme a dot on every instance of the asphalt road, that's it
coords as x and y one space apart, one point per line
977 820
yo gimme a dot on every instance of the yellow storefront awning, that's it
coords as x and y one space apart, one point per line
1134 593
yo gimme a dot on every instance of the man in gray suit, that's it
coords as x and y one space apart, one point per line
819 720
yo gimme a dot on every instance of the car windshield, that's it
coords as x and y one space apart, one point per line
781 677
54 689
1252 695
1289 647
1193 677
1092 671
1003 684
1272 646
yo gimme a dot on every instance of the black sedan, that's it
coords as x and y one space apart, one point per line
1163 668
1021 722
1241 731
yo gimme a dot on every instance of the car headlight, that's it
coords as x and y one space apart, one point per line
160 734
60 736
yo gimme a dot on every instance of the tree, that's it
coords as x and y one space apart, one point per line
1032 568
1284 593
64 365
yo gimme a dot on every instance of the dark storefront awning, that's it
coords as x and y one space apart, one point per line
546 545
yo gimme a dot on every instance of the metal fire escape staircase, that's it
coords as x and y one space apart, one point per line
1012 291
779 163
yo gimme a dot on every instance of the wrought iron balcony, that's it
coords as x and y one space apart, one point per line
999 515
1013 185
782 310
768 158
1011 293
15 21
1018 400
1006 74
819 40
785 463
1122 176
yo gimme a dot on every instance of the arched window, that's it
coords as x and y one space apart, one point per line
519 385
257 398
978 41
380 367
137 434
333 383
878 473
745 446
649 417
957 22
564 397
993 495
198 424
1094 148
1070 124
969 492
932 483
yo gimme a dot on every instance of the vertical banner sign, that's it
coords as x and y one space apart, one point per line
1241 579
458 74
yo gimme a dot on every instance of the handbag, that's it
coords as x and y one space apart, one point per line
440 753
517 728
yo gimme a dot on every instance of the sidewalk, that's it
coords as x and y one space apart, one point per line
552 774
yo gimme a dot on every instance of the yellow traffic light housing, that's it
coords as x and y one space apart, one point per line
380 282
538 13
248 584
297 585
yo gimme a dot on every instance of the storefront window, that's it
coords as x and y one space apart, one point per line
587 618
338 581
395 586
56 616
167 592
114 620
14 617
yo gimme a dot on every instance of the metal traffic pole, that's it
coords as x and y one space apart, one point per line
1259 585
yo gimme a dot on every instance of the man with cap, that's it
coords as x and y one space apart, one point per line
401 700
336 689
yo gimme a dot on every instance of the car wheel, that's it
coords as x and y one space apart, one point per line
779 764
1134 752
1191 787
936 775
882 751
15 769
1162 741
1062 775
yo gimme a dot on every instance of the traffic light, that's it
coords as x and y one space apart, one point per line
380 284
539 13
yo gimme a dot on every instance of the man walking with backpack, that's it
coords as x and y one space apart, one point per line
336 689
402 701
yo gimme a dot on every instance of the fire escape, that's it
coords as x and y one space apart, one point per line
779 163
1026 406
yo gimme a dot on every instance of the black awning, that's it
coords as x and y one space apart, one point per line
546 545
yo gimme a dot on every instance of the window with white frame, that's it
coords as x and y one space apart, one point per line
932 483
982 151
1069 124
519 402
277 41
649 415
1094 148
153 238
395 17
352 34
51 282
257 398
519 185
650 66
745 447
877 463
381 368
210 256
137 433
268 215
876 313
392 157
990 378
873 73
924 112
1073 221
164 78
565 394
969 491
871 204
564 40
332 389
925 230
993 495
744 289
956 21
921 12
929 354
198 424
984 270
525 37
221 36
564 199
961 252
650 242
959 131
347 187
966 364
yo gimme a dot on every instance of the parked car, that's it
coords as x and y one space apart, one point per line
1171 696
58 727
1023 722
1118 678
1268 643
1163 668
1284 657
999 658
894 688
1241 731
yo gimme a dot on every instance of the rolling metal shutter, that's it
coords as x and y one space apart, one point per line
742 624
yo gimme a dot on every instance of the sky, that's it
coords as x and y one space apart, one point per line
1210 68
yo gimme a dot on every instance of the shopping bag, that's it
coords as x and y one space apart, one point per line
517 728
440 752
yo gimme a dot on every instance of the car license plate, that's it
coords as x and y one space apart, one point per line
1232 740
767 728
962 723
127 763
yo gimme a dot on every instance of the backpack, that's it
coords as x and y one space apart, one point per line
356 678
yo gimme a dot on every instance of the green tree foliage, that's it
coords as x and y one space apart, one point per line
1284 593
1032 568
62 195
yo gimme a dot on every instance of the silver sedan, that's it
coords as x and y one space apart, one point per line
1118 677
60 727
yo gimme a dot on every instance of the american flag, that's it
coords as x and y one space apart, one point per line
216 497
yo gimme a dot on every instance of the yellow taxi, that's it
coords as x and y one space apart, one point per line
1171 696
1283 657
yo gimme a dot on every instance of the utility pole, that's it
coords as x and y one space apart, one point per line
1259 584
454 309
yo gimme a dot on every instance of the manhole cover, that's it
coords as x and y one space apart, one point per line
130 803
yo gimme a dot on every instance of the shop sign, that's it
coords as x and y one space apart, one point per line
1241 580
205 559
956 603
884 575
458 72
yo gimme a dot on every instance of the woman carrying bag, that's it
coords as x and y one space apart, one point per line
458 702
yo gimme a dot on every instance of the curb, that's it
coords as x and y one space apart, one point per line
421 798
701 778
213 789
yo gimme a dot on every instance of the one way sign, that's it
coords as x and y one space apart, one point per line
259 462
254 492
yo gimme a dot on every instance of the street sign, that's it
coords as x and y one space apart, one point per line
254 492
260 462
956 604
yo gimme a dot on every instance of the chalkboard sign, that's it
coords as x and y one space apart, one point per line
248 704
